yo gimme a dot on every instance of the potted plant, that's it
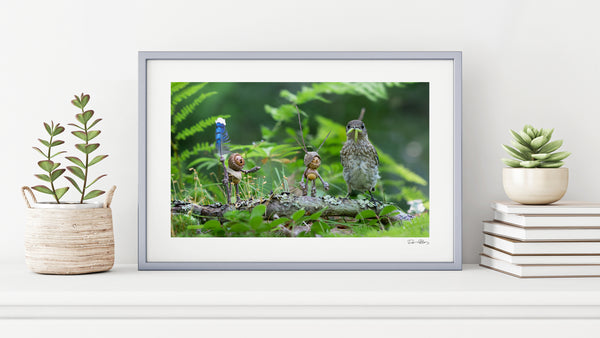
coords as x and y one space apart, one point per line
69 237
535 175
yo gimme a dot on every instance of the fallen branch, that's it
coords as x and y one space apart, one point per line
284 205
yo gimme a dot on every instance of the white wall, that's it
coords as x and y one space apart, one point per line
524 62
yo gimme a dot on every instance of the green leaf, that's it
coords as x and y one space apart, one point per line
548 133
319 228
58 153
56 165
213 224
93 193
76 161
523 149
79 118
561 155
76 171
76 102
539 141
258 210
94 123
366 214
94 181
42 188
87 149
519 139
511 162
527 126
43 177
239 227
279 221
525 137
46 165
298 214
79 134
551 147
97 159
540 157
40 151
48 128
316 215
87 115
386 210
515 153
552 164
256 221
530 132
74 125
84 100
57 143
70 179
92 134
530 164
56 174
58 130
61 191
44 142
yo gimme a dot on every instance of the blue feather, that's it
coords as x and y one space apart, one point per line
221 138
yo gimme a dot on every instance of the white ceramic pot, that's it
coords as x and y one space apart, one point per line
535 185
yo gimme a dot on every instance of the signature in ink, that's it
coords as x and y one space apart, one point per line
418 241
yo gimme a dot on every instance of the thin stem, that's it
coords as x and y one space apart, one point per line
85 175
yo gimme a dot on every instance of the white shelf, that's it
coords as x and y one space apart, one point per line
125 292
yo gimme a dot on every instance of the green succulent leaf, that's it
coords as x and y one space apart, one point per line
519 139
56 143
43 189
561 155
43 177
84 100
93 193
92 134
523 149
80 134
76 102
48 128
40 151
552 164
75 160
76 171
530 132
58 130
56 174
551 147
515 153
46 165
94 123
72 180
94 181
527 126
87 115
58 153
525 137
548 133
60 192
530 164
97 159
74 125
540 157
511 163
44 142
539 141
87 148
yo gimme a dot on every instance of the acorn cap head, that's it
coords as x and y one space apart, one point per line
236 161
309 157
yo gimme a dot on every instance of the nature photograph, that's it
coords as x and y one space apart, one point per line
290 159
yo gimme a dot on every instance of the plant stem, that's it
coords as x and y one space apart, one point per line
85 175
50 173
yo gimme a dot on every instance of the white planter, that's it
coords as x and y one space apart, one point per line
535 185
69 238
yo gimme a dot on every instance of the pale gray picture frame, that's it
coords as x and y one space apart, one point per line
455 264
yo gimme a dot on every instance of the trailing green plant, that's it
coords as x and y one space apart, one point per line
81 168
50 167
532 149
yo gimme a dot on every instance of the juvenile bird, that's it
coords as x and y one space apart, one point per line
359 159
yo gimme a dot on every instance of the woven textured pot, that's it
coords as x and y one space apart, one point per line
68 241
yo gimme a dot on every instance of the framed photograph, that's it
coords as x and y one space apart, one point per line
300 161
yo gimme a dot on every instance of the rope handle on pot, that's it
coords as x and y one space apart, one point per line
109 196
23 189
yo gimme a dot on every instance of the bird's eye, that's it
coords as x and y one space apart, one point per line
362 126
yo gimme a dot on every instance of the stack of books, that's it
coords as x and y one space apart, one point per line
556 240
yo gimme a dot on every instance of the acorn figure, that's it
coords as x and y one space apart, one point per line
312 161
234 172
359 159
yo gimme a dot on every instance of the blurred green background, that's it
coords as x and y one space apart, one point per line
262 122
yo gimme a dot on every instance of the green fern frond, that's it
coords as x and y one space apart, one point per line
198 148
186 110
390 166
177 86
198 127
184 93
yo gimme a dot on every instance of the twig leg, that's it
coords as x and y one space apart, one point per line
237 192
313 191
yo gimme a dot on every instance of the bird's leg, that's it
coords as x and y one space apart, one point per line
313 191
237 192
325 184
349 191
373 198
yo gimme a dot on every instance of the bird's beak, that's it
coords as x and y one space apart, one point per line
356 131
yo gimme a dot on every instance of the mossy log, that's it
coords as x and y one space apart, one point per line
284 205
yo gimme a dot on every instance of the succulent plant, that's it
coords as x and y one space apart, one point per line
48 165
532 149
